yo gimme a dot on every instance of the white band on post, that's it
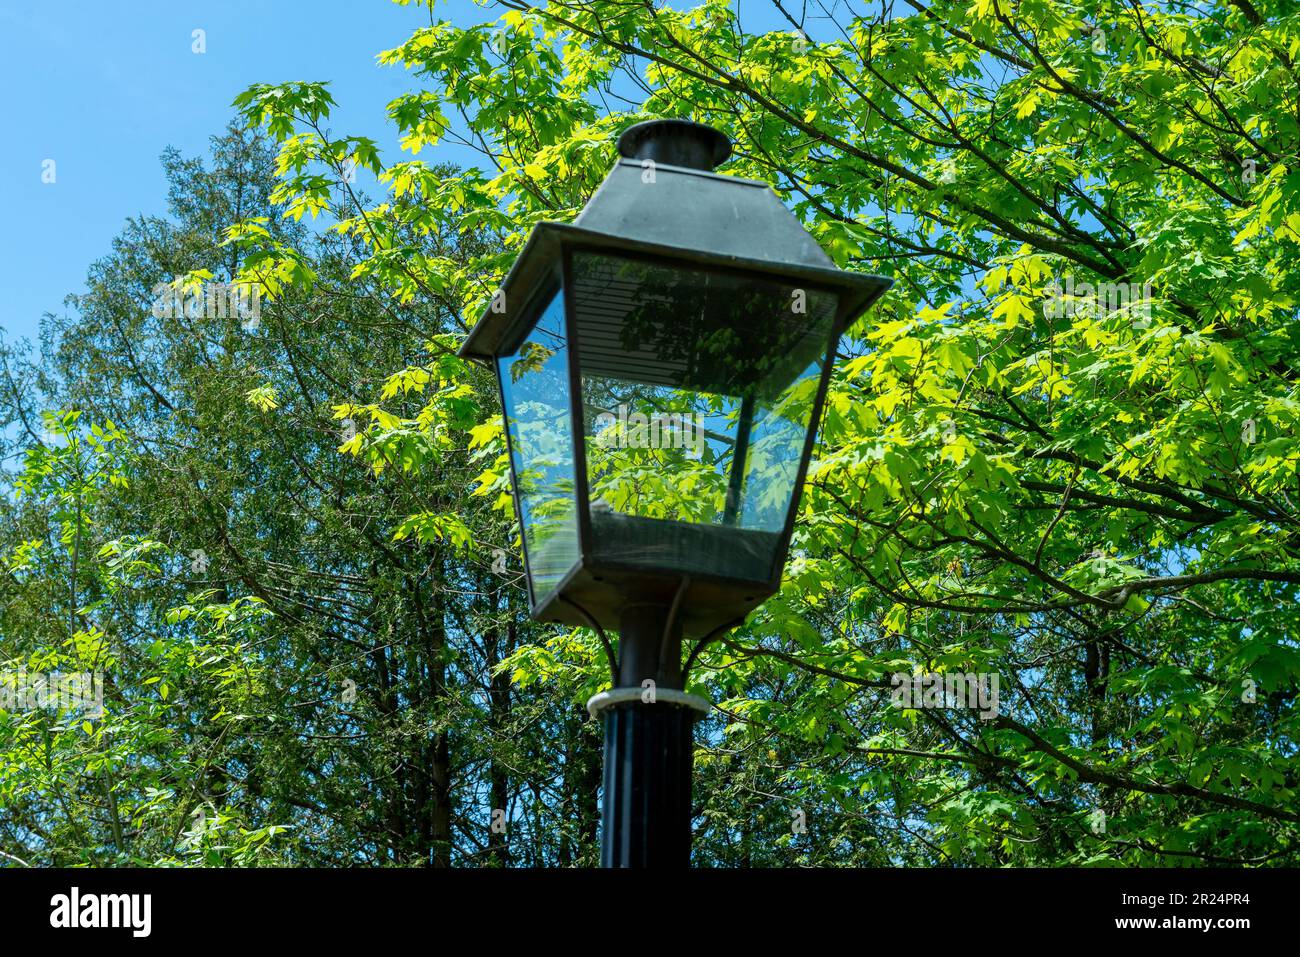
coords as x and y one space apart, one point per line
607 699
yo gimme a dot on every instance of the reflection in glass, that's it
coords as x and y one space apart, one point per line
535 383
697 392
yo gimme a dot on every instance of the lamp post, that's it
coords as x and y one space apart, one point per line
663 361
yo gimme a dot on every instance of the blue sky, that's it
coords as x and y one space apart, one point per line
102 88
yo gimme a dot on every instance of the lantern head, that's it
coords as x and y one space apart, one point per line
663 361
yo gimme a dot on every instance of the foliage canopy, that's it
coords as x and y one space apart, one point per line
1063 450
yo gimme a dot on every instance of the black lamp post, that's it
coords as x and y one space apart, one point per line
663 362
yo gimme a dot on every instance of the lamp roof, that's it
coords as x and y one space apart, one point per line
651 206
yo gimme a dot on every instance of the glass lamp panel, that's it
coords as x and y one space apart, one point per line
535 391
698 390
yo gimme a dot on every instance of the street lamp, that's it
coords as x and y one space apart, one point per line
662 363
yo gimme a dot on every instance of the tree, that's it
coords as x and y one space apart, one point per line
1063 452
1040 606
306 664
